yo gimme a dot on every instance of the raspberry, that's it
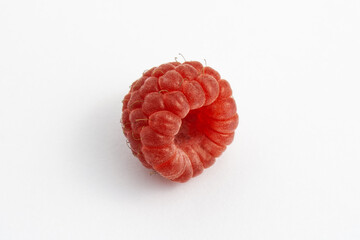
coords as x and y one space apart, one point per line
178 118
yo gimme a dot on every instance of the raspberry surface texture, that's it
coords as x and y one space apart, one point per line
179 117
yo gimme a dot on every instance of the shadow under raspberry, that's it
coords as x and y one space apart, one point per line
104 160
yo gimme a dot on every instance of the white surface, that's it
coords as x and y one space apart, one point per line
291 173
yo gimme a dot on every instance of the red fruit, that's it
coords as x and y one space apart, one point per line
178 118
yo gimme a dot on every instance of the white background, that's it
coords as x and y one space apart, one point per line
291 173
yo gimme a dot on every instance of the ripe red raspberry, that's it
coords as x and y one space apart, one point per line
178 118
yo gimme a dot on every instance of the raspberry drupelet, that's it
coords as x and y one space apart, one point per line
178 118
